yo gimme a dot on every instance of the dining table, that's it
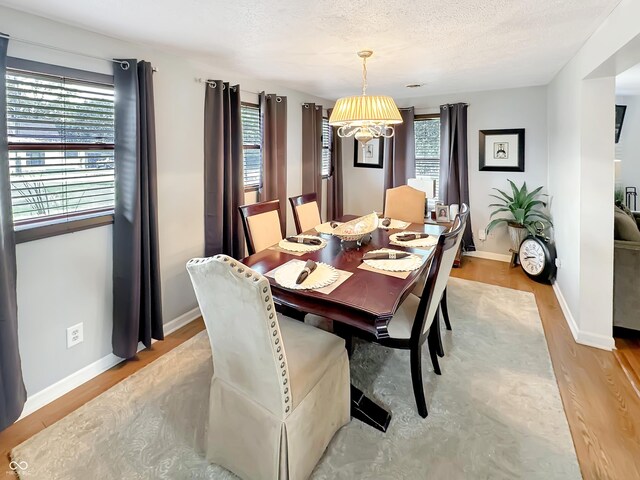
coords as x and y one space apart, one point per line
366 301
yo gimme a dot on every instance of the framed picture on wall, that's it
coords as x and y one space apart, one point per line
368 155
502 150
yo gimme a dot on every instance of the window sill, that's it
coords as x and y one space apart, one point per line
251 189
29 233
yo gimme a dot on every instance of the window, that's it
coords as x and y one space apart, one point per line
252 146
326 151
61 140
427 131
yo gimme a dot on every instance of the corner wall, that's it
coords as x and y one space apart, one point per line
581 172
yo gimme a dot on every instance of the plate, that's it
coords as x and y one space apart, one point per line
287 274
407 264
326 228
394 225
430 241
301 247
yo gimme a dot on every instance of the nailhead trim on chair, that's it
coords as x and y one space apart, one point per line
256 277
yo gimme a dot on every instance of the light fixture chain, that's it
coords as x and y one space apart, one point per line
364 76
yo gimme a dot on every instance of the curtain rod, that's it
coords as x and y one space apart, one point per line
72 52
214 84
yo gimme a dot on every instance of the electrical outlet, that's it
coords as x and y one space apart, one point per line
75 335
482 234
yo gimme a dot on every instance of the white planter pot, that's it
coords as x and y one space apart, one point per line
517 235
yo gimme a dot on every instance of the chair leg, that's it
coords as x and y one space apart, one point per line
433 349
437 335
445 309
416 378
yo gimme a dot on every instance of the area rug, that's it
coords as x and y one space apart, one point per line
495 413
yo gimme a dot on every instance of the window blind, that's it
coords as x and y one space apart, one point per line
61 135
427 133
252 146
326 152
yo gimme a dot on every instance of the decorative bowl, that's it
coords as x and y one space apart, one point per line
356 229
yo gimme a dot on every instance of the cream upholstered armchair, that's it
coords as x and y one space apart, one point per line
280 388
405 203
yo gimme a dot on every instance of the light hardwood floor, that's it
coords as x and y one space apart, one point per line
602 406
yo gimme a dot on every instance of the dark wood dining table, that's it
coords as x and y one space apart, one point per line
366 300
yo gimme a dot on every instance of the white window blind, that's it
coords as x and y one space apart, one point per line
427 132
61 139
326 152
252 146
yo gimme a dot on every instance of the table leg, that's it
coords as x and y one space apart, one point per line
365 410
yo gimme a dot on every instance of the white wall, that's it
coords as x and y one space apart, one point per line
628 149
514 108
581 172
67 279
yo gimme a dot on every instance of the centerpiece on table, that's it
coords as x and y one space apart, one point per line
523 209
357 229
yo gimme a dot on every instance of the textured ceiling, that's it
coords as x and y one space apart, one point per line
448 45
628 82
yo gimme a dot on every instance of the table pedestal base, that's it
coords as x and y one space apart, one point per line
365 410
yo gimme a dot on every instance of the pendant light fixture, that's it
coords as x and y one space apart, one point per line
365 116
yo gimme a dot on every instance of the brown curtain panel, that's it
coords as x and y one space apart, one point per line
12 391
137 296
312 150
223 170
454 164
400 152
273 118
335 200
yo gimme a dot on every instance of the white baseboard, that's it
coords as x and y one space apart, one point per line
53 392
489 256
584 338
181 321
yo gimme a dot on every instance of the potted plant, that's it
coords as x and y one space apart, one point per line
524 212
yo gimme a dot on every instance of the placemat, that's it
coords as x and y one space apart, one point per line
428 242
402 275
394 225
343 277
302 247
277 248
325 228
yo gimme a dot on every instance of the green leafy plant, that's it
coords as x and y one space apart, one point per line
619 195
523 207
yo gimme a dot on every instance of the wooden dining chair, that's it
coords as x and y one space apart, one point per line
405 203
280 389
419 288
306 211
417 318
464 216
261 223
